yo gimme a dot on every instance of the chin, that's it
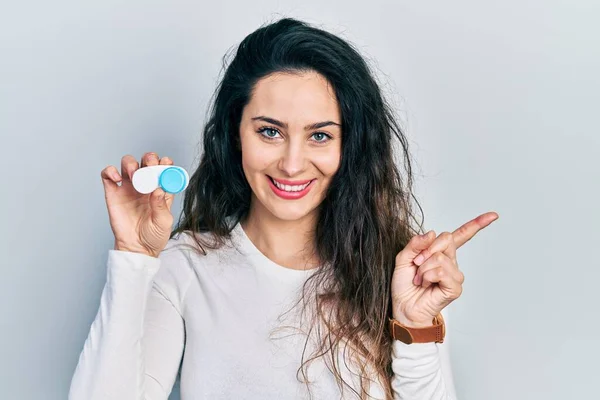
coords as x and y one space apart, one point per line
289 210
287 213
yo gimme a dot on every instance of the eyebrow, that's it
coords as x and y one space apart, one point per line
284 125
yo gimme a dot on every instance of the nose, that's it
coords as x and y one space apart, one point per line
293 159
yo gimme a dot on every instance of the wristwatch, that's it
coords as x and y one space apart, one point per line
434 333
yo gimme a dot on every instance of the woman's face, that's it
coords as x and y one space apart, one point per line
291 138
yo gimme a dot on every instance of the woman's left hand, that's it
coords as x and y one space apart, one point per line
426 277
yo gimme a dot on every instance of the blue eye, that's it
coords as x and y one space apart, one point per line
264 132
321 137
271 134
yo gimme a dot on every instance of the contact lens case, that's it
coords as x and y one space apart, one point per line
170 178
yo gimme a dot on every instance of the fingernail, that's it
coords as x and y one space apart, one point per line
419 259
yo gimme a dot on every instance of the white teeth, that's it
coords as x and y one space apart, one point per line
289 188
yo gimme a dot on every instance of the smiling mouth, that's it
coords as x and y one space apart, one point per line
290 188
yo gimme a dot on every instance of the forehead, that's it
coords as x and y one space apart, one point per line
298 96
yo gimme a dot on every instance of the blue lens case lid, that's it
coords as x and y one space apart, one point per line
172 180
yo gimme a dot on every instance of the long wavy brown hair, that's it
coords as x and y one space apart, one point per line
366 217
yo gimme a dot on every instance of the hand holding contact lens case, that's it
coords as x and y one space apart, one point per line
170 178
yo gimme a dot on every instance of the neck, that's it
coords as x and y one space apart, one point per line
287 243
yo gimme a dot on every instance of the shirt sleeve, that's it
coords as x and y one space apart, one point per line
423 370
135 343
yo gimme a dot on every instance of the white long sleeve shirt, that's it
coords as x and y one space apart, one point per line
210 318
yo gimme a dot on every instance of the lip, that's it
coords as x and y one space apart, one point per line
290 195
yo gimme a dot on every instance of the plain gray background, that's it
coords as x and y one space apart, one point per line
499 100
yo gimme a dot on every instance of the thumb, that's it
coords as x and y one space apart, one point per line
158 202
417 244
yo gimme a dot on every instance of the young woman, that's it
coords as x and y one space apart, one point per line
295 248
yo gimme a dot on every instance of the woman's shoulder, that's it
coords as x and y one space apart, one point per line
192 250
197 242
180 257
182 246
187 257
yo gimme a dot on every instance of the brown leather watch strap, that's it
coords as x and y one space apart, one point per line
434 333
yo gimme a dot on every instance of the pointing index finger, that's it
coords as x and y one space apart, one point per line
463 234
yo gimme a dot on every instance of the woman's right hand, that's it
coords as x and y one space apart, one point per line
140 222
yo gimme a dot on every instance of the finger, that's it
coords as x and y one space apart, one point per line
128 166
443 243
158 205
449 283
110 178
463 234
166 161
417 243
168 196
436 260
149 159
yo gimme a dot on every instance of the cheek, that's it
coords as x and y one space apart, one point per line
255 158
250 161
328 162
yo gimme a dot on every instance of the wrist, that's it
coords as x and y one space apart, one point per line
121 247
412 323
